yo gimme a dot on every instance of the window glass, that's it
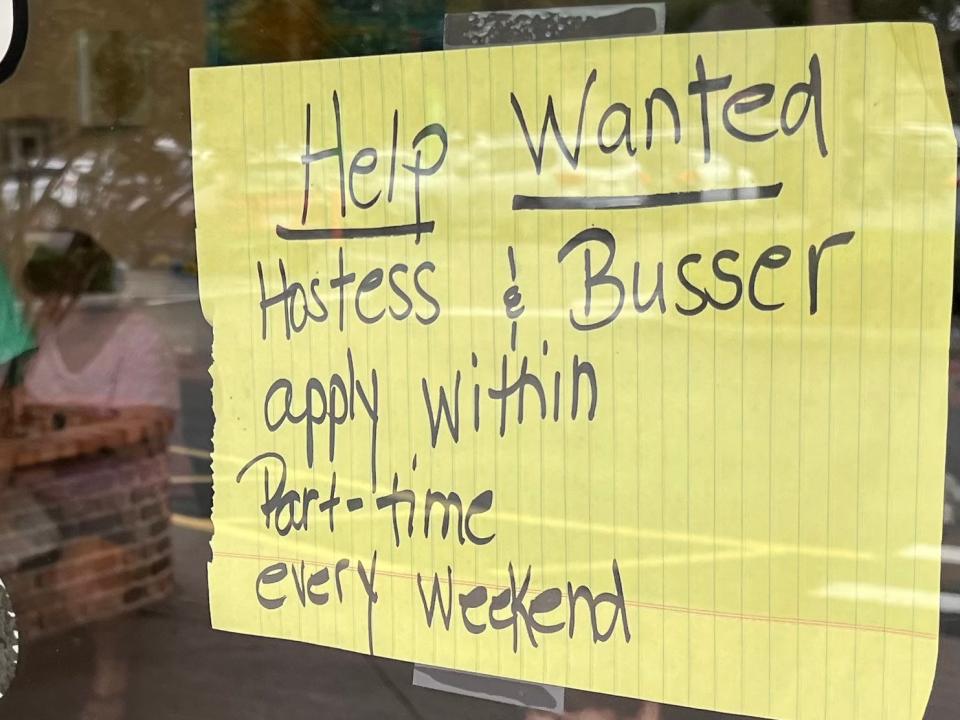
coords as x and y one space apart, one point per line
106 415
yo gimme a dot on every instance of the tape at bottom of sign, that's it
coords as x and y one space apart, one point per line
488 687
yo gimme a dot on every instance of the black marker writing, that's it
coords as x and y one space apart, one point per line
332 403
431 140
605 292
464 522
616 129
312 589
525 612
528 394
379 293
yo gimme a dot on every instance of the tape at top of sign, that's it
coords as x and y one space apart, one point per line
614 364
503 27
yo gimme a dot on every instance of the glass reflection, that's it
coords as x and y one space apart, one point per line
106 412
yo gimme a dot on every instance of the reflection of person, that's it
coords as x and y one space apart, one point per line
100 356
17 508
16 341
92 355
15 336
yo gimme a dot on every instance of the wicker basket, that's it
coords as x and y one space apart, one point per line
101 487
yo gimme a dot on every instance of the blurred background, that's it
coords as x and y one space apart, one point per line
106 421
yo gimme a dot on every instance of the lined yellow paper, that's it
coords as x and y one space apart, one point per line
730 493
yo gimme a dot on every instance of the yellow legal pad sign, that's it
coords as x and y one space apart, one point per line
618 365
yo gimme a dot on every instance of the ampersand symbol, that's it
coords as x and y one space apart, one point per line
513 299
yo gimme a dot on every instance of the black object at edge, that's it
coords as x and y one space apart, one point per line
18 40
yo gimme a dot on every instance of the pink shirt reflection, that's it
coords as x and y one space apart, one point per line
105 359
